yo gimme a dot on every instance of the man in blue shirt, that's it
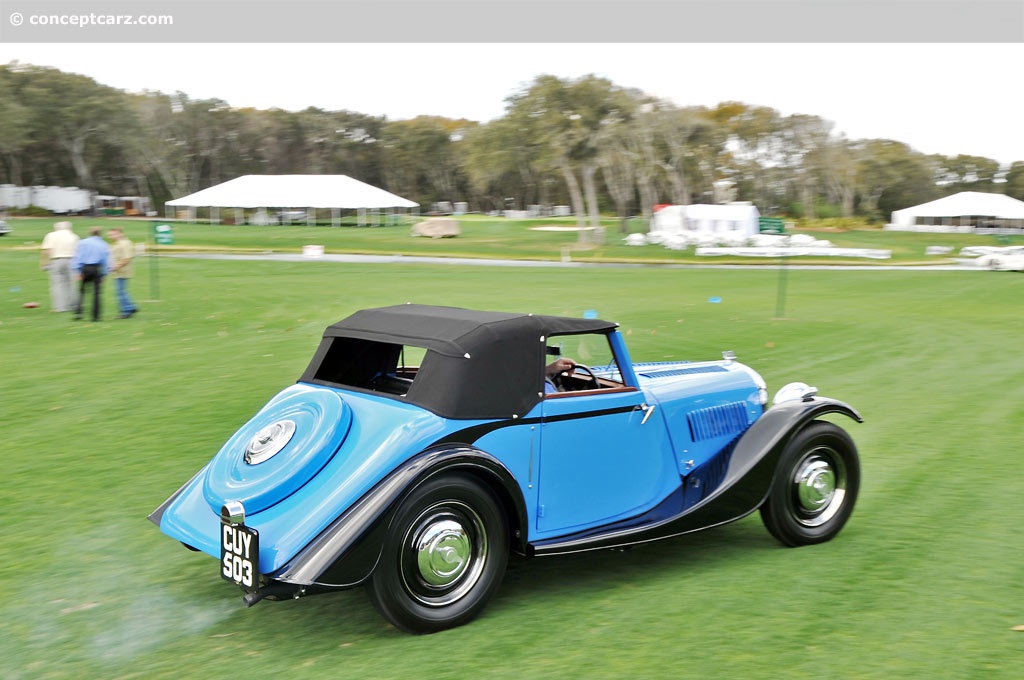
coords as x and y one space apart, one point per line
91 262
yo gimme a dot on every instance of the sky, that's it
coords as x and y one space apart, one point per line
939 98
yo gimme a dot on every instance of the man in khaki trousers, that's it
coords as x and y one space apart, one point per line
55 256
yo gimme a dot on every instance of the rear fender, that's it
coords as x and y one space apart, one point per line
346 553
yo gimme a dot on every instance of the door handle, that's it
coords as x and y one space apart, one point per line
648 409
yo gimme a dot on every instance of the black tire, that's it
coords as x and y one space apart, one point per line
444 556
815 486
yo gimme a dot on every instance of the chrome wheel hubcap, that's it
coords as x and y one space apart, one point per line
443 552
820 485
446 549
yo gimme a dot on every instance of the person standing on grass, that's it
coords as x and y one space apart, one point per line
122 253
91 263
55 255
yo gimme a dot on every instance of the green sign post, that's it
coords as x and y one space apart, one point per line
780 295
776 225
163 234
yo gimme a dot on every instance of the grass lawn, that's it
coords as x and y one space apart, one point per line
102 421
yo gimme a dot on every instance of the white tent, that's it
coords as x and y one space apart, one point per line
295 191
738 219
964 211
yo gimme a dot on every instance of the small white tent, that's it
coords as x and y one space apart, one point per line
736 219
964 211
294 191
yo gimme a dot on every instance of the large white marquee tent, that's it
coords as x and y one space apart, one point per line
963 212
295 192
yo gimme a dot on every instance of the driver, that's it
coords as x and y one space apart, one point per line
559 365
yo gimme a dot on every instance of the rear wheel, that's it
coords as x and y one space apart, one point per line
815 486
444 556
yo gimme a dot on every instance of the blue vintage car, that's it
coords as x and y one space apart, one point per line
424 444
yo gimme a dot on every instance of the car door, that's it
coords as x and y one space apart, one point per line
605 456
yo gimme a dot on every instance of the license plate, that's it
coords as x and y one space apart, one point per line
240 555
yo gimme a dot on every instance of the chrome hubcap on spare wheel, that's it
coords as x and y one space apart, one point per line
269 441
820 481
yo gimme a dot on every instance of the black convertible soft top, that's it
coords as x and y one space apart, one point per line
478 364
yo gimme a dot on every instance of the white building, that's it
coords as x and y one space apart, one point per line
732 221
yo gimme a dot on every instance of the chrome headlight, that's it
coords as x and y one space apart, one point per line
794 391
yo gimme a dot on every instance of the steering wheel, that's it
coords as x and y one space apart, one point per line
588 371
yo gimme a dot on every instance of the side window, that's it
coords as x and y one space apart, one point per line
578 363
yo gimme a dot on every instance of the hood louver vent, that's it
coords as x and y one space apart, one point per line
718 421
683 371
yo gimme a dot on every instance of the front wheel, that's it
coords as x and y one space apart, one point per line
815 486
443 558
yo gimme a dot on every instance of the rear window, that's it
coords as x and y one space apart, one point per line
370 365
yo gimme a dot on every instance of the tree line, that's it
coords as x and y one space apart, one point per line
585 142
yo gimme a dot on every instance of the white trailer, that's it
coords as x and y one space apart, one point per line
62 200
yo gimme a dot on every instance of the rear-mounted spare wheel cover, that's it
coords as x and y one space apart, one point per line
280 449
